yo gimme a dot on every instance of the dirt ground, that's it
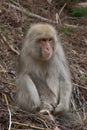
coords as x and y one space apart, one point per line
14 23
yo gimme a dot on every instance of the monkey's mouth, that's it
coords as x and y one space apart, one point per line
45 55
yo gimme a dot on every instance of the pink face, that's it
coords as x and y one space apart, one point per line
47 46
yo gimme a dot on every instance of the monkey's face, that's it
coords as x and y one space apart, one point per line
42 41
46 48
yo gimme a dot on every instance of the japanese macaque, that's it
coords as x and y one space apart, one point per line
43 80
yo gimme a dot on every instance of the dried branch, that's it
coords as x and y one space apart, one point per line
31 126
82 4
10 121
9 45
49 1
73 103
62 9
2 69
43 121
23 10
58 20
80 86
50 116
74 26
85 40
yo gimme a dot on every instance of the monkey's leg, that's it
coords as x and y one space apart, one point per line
27 96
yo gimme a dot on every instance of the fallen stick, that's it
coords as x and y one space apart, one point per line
23 10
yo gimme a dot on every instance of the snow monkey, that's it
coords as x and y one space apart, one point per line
43 79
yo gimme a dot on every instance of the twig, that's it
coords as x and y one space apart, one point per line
43 121
85 40
84 109
84 114
80 86
31 126
49 1
2 69
10 46
73 103
29 13
74 26
58 19
62 9
10 122
50 116
8 83
58 15
82 4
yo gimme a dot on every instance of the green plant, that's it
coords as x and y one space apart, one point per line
66 30
79 12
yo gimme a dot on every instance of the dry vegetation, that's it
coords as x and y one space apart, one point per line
16 16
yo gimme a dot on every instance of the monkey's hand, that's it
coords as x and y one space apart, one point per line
44 111
47 112
46 107
61 108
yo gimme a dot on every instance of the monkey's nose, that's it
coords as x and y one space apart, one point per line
47 50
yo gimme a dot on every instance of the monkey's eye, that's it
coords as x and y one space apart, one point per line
43 40
50 39
47 39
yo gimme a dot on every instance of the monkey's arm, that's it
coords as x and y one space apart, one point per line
27 96
65 89
64 97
